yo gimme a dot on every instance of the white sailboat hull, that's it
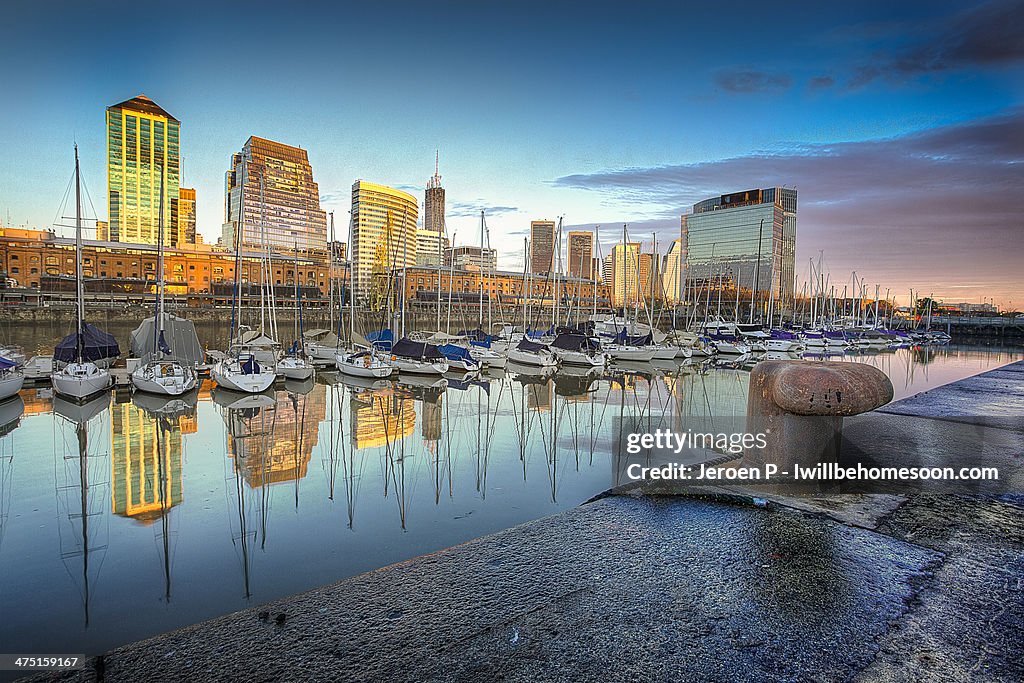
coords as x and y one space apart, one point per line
228 374
295 368
11 384
79 381
164 378
579 358
321 353
419 367
488 358
377 369
633 354
542 359
664 352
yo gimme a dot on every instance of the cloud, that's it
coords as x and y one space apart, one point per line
821 82
988 35
751 81
464 209
930 208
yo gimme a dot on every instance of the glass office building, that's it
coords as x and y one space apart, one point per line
383 231
270 195
142 141
732 240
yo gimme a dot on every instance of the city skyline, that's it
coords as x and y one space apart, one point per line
900 126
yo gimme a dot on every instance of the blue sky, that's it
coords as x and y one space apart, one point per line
899 123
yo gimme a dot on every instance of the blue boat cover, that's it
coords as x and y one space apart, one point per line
250 366
407 348
6 363
453 352
382 339
96 345
628 340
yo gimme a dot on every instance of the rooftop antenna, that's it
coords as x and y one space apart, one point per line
435 182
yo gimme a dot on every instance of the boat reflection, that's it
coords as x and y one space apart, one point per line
80 489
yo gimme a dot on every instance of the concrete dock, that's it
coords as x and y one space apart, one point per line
635 586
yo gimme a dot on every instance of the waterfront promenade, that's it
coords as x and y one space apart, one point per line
666 588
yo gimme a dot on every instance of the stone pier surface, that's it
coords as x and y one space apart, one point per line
901 587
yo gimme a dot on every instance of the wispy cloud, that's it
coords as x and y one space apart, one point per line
942 205
988 35
752 81
462 209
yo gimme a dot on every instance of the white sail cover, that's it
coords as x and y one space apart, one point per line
180 336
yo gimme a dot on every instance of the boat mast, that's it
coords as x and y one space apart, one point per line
352 294
158 320
557 264
480 307
593 275
330 271
79 287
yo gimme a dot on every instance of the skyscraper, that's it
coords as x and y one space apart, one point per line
271 196
383 232
431 240
581 254
542 247
673 273
744 236
186 216
625 262
142 142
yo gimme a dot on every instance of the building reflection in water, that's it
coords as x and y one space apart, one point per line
276 443
146 456
381 417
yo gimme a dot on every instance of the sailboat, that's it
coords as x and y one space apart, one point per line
296 364
250 365
81 377
158 374
363 362
12 378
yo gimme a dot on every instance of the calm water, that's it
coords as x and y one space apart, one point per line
184 511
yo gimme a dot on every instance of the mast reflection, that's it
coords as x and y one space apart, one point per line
77 481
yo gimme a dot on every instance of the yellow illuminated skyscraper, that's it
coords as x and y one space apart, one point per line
625 260
186 216
385 217
142 140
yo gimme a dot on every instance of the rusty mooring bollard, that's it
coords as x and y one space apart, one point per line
799 406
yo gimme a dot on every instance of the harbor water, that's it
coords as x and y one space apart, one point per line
131 516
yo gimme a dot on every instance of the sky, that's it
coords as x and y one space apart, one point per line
901 125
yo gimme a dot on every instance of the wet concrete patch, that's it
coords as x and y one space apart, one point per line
967 624
622 588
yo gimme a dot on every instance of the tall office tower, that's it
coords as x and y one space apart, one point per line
625 260
608 271
431 239
673 273
542 247
186 216
727 236
271 197
597 269
581 254
142 143
383 232
649 275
